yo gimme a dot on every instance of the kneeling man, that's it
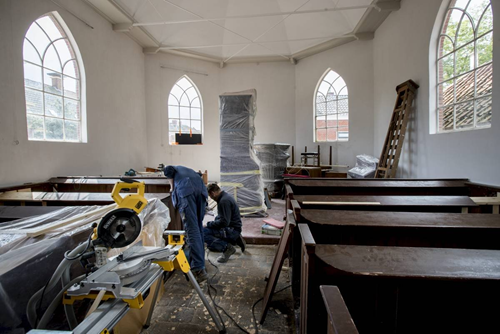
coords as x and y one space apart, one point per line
225 231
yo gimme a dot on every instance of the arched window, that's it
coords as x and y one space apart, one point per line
465 67
331 109
53 74
185 109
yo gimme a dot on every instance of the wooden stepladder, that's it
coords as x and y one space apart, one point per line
389 158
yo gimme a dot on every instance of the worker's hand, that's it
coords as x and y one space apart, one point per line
210 224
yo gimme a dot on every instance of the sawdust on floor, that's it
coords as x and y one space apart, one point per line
239 283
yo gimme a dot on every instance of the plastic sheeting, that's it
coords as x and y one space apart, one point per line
273 160
365 168
240 172
26 264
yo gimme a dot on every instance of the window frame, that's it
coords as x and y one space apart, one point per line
198 96
448 12
79 78
315 128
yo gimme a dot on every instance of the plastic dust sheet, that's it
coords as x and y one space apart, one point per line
240 172
273 160
365 168
27 263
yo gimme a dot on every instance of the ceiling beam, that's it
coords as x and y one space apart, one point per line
122 27
122 21
388 6
312 11
364 36
186 47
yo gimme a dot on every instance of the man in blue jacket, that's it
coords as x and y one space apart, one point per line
189 196
225 231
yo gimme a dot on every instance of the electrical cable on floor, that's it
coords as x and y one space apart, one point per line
210 286
256 325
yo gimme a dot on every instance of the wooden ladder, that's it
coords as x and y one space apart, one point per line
389 158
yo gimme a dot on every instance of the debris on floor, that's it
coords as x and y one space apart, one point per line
237 284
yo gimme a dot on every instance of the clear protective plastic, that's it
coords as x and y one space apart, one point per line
240 172
273 161
365 168
27 263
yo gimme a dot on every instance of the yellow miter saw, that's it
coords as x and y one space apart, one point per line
124 281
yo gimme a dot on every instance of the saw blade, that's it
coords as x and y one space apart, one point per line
119 228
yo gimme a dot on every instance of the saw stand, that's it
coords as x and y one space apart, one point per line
112 282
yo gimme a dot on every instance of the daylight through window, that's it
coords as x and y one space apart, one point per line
465 68
52 83
331 109
184 109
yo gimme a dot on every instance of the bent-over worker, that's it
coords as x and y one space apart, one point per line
189 196
225 231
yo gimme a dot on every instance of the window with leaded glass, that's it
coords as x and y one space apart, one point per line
465 66
185 109
331 109
52 83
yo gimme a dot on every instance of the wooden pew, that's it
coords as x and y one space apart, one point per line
408 229
8 213
387 203
66 199
402 289
106 184
393 187
377 228
339 318
30 186
79 199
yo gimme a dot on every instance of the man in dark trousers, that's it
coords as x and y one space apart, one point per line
189 196
225 231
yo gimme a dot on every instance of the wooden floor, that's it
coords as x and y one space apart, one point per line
240 283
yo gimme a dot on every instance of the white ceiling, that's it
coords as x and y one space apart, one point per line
229 29
245 30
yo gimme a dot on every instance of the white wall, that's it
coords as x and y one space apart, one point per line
116 116
354 62
274 122
401 52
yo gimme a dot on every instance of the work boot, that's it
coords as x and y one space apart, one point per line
241 243
230 250
200 275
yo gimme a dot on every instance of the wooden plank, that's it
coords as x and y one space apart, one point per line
415 201
295 207
307 278
339 318
107 181
486 200
279 258
401 219
307 237
435 263
378 183
340 203
104 198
